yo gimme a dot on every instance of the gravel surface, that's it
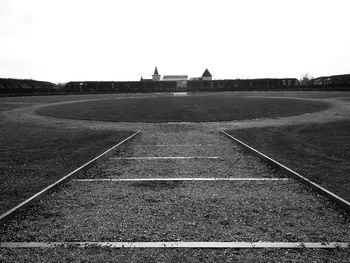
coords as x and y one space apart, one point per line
182 211
107 255
185 211
189 142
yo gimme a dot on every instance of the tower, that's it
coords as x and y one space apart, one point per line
206 75
156 76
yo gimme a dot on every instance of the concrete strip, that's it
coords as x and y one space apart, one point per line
289 245
180 122
178 179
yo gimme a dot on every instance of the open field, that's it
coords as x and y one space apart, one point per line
321 152
211 107
172 210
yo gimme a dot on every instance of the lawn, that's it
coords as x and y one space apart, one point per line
195 108
32 156
321 152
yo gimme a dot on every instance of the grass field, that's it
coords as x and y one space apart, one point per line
321 152
203 108
32 157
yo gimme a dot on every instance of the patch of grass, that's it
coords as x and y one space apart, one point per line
321 152
32 157
203 108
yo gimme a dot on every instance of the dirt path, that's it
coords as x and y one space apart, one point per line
339 110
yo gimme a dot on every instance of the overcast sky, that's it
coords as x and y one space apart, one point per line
63 40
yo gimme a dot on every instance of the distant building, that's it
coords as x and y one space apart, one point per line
156 76
146 80
181 80
206 75
175 77
331 80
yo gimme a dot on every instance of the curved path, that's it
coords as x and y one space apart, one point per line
339 110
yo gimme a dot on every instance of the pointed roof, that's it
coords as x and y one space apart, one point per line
206 73
156 71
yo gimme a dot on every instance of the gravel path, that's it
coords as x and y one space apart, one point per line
110 255
185 142
182 211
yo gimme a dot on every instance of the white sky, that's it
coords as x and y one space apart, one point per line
63 40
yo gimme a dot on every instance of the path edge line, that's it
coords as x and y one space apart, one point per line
316 187
10 213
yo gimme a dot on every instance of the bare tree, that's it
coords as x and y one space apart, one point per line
305 79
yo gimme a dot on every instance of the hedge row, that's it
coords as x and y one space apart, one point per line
26 86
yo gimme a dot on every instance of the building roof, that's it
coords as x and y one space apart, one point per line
146 80
156 71
206 73
175 77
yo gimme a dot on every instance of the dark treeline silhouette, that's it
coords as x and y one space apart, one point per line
173 86
119 86
26 87
17 87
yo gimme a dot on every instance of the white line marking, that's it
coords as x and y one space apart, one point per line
180 93
178 179
166 157
179 122
295 245
182 145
